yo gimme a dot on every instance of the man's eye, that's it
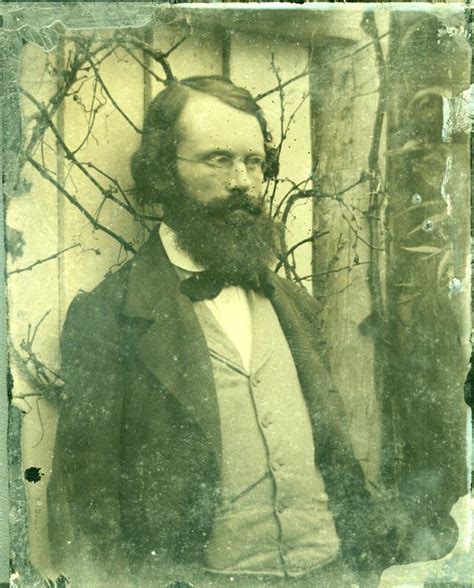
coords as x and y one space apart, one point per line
219 160
255 163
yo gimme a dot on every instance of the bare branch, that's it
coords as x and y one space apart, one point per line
38 325
295 187
293 248
95 224
279 87
69 154
81 56
92 115
175 46
370 26
155 54
292 196
127 205
110 97
144 66
305 72
71 157
41 261
341 269
340 291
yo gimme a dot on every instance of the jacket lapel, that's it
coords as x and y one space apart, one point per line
173 348
298 316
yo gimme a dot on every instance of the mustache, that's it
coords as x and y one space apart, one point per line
236 201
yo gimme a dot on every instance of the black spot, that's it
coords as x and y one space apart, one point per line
468 390
179 584
10 384
33 475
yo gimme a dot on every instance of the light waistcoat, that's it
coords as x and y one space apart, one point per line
274 517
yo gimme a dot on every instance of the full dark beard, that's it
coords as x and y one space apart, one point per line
235 238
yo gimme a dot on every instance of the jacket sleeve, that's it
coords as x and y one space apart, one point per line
84 491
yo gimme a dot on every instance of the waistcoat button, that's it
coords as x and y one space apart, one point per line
254 381
276 465
283 504
267 420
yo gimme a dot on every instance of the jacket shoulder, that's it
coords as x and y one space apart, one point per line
299 294
96 315
105 300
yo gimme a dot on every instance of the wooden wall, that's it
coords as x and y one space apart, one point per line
49 223
329 141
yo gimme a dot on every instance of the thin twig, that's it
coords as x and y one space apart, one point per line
38 325
91 120
278 88
69 155
95 224
144 66
299 186
114 102
293 248
175 46
316 193
305 72
41 261
81 56
346 287
155 54
340 269
127 205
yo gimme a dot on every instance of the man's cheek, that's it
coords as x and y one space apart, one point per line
257 189
199 190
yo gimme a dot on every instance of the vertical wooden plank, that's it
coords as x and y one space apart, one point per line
428 272
33 300
60 164
344 98
148 37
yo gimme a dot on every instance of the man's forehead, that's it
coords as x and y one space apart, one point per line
208 122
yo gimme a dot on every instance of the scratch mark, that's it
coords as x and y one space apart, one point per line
444 192
456 286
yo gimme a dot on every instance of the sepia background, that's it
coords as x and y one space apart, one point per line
369 110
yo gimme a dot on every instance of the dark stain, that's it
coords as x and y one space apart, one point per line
33 474
179 584
10 384
468 390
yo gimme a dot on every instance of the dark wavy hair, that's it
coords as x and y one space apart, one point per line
153 166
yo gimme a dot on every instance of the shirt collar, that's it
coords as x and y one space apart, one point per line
178 256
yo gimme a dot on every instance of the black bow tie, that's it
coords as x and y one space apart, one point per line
207 285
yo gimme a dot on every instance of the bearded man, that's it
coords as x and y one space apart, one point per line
200 436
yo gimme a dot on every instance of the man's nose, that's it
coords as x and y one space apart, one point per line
239 177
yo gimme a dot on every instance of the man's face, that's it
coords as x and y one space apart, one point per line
218 212
221 151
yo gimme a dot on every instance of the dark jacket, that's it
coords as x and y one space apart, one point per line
136 467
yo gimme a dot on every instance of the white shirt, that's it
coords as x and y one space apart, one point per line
231 307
